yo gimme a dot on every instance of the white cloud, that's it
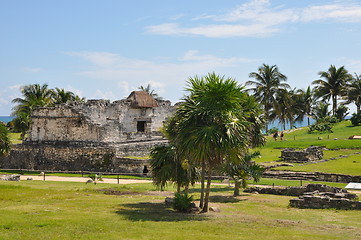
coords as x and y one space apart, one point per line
257 18
163 76
104 95
97 58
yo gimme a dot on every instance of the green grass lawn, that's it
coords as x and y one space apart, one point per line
62 210
337 143
15 138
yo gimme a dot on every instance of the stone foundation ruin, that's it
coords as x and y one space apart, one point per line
94 136
315 196
292 155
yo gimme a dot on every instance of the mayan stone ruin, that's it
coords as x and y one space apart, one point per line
309 154
98 135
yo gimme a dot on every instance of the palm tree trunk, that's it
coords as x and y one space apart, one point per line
203 173
237 186
334 104
206 197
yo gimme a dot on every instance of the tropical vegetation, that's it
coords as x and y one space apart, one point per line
36 95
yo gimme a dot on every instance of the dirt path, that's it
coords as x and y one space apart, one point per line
84 179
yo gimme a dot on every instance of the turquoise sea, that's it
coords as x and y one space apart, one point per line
6 119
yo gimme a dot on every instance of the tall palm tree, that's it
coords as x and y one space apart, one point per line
332 84
150 91
34 95
304 103
321 110
61 96
212 125
268 81
354 92
285 109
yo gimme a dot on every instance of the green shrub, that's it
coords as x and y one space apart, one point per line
323 125
272 130
356 119
182 202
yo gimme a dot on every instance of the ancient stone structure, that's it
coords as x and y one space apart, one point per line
326 197
313 153
298 191
95 136
312 176
314 196
9 177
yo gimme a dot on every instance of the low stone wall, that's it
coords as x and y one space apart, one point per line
319 201
72 158
298 191
309 154
312 176
9 177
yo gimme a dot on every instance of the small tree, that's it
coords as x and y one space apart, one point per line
167 166
242 170
5 142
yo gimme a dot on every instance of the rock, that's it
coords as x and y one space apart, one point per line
214 209
12 177
89 181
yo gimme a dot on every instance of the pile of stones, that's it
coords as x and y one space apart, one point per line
313 153
9 177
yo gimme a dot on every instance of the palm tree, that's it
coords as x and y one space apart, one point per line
168 167
34 95
333 85
212 125
5 142
285 109
321 110
354 92
61 96
268 81
304 103
150 91
243 169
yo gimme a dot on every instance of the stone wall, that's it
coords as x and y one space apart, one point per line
312 176
97 121
309 154
298 191
57 157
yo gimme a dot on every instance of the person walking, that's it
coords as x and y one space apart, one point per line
275 135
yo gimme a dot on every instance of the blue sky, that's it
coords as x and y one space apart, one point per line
106 49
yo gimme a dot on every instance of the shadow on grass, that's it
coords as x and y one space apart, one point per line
213 189
225 199
157 212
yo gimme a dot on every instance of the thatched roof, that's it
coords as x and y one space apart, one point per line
141 99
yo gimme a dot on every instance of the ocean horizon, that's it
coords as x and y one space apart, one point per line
6 119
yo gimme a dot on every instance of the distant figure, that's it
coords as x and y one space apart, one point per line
282 135
145 171
275 136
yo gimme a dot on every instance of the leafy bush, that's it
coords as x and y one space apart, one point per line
182 202
356 119
323 125
272 130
